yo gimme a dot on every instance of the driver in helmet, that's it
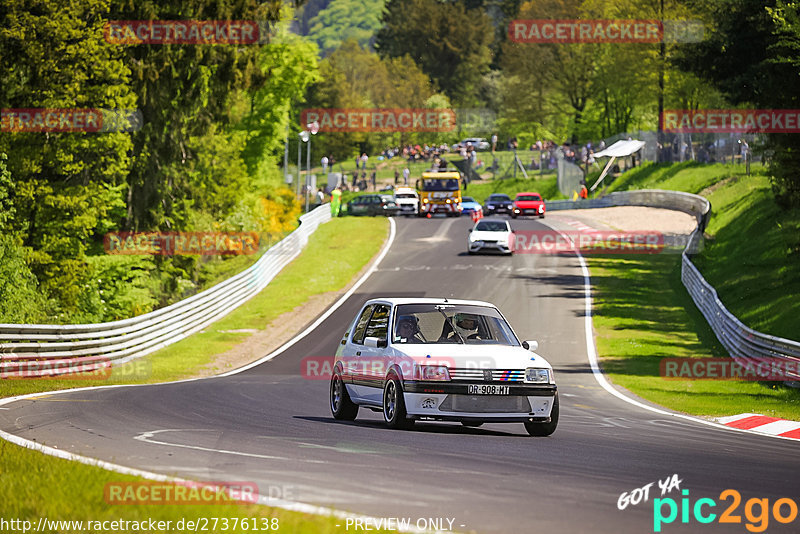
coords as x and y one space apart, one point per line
408 330
467 325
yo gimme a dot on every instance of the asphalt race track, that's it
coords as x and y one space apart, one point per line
272 426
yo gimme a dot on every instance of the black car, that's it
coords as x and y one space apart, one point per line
498 203
373 205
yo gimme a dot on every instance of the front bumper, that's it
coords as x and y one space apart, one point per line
477 246
451 402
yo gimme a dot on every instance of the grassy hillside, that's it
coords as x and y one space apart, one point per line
752 254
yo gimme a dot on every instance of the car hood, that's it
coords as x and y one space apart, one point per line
473 356
482 235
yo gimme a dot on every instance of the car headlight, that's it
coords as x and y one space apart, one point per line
537 376
432 372
424 200
541 208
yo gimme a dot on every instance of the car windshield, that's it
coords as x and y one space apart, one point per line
451 324
529 197
405 195
467 199
498 198
491 226
440 184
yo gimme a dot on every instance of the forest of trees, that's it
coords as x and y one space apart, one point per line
205 158
208 151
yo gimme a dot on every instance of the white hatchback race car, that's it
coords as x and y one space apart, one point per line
441 359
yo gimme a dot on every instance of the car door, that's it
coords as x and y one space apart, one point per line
357 206
373 358
374 204
354 345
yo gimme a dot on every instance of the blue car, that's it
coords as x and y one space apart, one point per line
469 206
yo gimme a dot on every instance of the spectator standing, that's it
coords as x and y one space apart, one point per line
336 201
324 165
364 159
494 142
396 176
406 173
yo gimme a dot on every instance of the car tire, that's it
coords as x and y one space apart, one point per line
544 429
472 424
513 216
394 405
342 407
541 216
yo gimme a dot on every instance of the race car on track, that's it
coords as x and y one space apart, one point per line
491 235
528 204
438 359
497 203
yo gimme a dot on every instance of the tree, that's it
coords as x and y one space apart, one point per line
353 77
752 56
447 41
346 19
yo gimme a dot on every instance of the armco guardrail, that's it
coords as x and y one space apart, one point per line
740 341
46 350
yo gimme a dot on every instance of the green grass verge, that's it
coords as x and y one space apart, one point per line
36 486
632 338
753 255
336 252
750 258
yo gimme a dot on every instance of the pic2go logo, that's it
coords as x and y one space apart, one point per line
756 511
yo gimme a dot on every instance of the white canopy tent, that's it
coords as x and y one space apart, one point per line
620 149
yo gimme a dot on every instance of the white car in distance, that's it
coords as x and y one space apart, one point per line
491 235
407 199
441 359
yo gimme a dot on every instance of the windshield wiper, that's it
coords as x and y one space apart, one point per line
452 326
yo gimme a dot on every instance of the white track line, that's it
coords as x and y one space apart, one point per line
276 503
591 353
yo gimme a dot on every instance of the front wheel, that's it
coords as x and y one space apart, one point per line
342 407
544 429
541 216
394 405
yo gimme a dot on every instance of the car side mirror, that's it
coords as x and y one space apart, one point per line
530 345
375 342
469 231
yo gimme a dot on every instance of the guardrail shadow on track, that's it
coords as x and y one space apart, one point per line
741 342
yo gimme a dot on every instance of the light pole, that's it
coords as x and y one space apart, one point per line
303 139
313 128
